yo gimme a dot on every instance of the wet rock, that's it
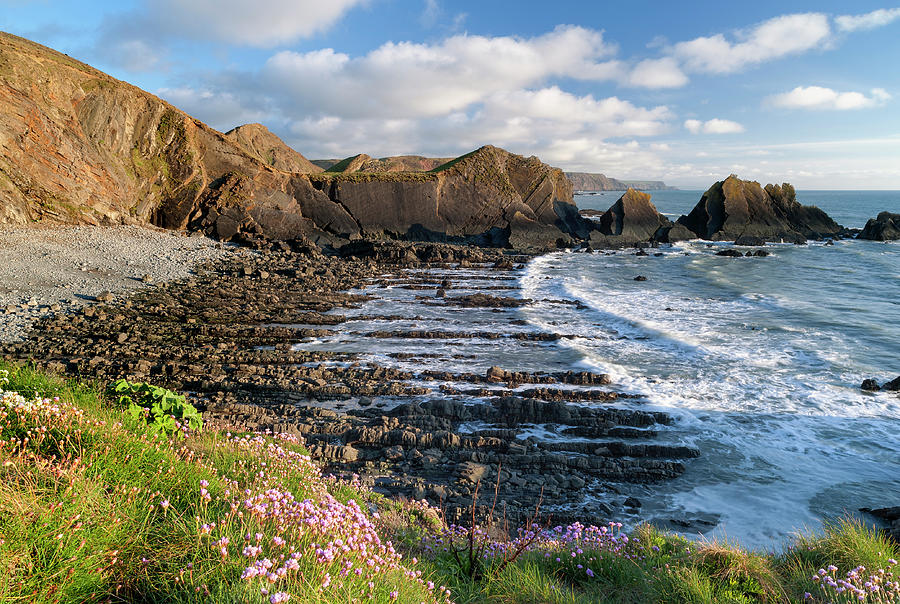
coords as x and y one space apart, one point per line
870 385
730 252
640 278
893 385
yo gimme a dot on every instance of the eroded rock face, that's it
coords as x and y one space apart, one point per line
735 209
259 142
886 227
634 219
79 146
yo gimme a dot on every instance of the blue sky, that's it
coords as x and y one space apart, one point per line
687 92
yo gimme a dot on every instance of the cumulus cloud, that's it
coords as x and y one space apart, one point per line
819 97
264 23
657 73
401 80
442 98
713 126
772 39
877 18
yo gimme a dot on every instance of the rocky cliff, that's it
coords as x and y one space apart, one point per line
79 146
649 185
743 211
259 142
489 196
584 181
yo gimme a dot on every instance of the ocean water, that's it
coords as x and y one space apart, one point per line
849 208
759 359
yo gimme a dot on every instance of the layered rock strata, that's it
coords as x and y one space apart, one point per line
233 335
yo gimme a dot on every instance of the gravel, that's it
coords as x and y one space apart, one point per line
55 270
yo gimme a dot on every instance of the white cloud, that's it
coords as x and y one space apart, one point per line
403 80
772 39
264 23
544 122
818 97
713 126
877 18
441 99
657 73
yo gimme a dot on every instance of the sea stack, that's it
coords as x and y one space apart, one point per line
745 212
633 219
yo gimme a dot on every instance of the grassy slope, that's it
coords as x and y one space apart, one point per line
82 519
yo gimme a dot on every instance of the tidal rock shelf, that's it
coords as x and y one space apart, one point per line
423 377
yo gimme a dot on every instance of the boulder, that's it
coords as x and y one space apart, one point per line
885 227
870 385
893 385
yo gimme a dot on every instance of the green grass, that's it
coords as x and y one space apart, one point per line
82 520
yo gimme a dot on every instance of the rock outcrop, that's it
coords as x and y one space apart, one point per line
79 146
489 196
634 219
743 211
886 227
262 144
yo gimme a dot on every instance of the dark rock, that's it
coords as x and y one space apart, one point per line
893 385
633 503
740 210
749 240
885 227
640 278
870 385
673 232
632 219
730 252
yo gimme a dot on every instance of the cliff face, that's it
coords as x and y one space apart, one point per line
742 210
490 196
78 146
584 181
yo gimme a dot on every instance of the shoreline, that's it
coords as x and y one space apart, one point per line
234 333
230 334
60 269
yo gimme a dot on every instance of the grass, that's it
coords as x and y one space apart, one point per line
92 509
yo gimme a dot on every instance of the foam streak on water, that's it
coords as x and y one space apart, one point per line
760 358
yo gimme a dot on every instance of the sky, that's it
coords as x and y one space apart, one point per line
685 92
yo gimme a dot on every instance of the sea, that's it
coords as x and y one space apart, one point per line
759 360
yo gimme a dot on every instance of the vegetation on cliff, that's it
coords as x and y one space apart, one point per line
98 507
